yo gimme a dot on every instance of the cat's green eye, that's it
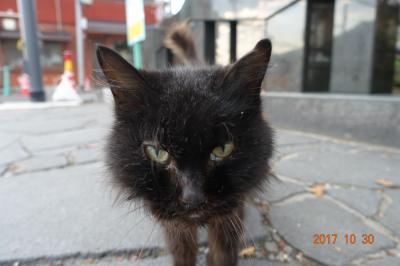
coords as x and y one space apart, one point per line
221 152
155 154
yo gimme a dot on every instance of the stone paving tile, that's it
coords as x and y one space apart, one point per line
160 261
279 189
37 163
254 229
286 137
391 216
299 221
6 139
256 262
102 113
365 201
167 261
387 261
8 117
69 114
58 212
62 212
63 139
3 169
289 152
45 126
335 163
12 153
63 151
85 155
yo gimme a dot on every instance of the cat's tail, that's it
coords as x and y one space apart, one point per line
179 40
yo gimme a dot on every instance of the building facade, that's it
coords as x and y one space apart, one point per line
104 23
338 46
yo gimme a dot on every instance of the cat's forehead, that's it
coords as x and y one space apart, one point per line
194 110
200 97
190 94
191 116
191 110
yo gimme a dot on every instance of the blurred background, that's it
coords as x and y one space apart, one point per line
337 46
331 93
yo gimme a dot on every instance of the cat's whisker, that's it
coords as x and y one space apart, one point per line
139 256
128 165
236 230
246 231
124 216
240 226
226 231
132 227
193 237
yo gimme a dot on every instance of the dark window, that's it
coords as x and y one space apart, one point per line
318 45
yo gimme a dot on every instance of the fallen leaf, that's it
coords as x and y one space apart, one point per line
299 256
90 145
246 252
385 183
393 252
281 245
15 168
317 189
263 207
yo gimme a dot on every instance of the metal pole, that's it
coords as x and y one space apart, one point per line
79 43
233 40
29 34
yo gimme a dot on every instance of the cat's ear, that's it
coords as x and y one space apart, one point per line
128 85
246 75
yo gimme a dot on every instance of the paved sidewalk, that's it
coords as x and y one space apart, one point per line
57 207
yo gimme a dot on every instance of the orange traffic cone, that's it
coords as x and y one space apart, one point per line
65 90
69 67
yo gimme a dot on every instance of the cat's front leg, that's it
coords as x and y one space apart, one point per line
224 237
182 243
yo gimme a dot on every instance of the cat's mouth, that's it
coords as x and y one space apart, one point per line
199 215
195 215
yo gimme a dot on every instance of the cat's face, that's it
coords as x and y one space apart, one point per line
189 142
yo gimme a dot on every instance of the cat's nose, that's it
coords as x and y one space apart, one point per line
192 199
192 196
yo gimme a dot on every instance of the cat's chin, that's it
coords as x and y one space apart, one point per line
198 218
201 216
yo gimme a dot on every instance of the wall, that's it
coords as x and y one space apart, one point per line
372 119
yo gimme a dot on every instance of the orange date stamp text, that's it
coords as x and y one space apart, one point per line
348 239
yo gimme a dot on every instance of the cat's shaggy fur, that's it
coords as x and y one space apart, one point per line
188 111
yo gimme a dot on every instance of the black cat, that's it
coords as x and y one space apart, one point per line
191 143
